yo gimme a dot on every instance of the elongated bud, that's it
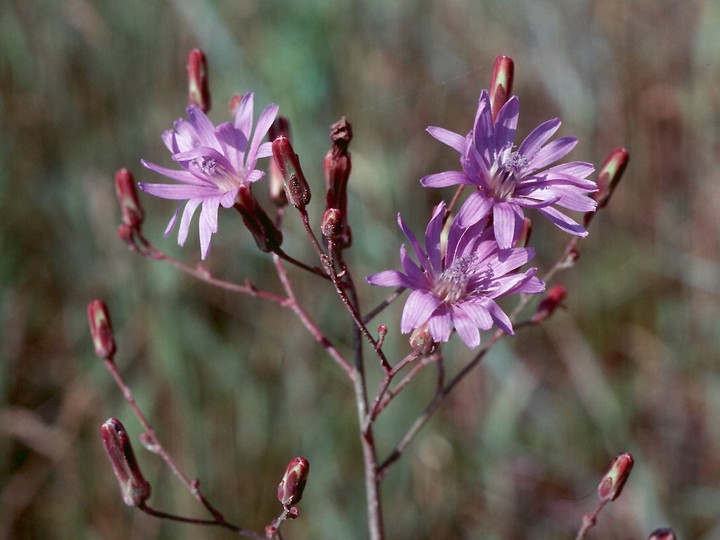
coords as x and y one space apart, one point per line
101 329
233 104
550 303
523 239
609 175
612 483
336 168
280 127
290 488
267 236
134 488
296 187
662 534
126 190
501 83
197 72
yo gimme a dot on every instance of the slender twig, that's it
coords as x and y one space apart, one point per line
192 521
370 315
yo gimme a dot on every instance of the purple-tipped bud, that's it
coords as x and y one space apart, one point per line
132 213
501 83
267 236
331 224
101 329
550 303
279 128
421 340
336 168
290 488
612 483
197 72
609 175
297 189
662 534
133 486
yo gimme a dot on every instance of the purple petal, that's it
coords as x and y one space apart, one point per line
445 136
506 123
564 222
388 278
418 308
476 207
445 179
538 137
467 330
440 324
187 215
505 223
483 134
432 236
579 169
173 219
480 316
421 256
181 176
204 128
178 191
550 153
498 315
261 128
244 114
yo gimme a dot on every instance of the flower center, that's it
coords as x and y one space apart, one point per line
452 284
225 180
506 172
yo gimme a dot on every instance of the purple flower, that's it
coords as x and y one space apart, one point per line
508 180
456 284
215 162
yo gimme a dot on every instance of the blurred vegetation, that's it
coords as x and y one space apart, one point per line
235 389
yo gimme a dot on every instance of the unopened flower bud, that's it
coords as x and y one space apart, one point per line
336 168
612 483
197 72
133 486
101 329
331 224
290 488
421 340
609 175
234 103
132 213
525 233
550 303
296 187
280 127
267 236
662 534
501 83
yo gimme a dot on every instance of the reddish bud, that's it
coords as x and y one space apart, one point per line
133 486
525 233
279 128
267 236
421 340
610 173
233 104
548 305
662 534
290 488
197 72
612 483
297 189
336 168
132 213
101 329
501 83
331 224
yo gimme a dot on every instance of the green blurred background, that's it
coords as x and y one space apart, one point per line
235 388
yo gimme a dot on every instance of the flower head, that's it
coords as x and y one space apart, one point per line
456 284
215 162
509 179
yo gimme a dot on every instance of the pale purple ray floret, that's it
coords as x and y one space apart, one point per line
215 162
455 284
509 180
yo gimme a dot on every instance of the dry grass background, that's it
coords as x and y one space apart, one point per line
236 389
